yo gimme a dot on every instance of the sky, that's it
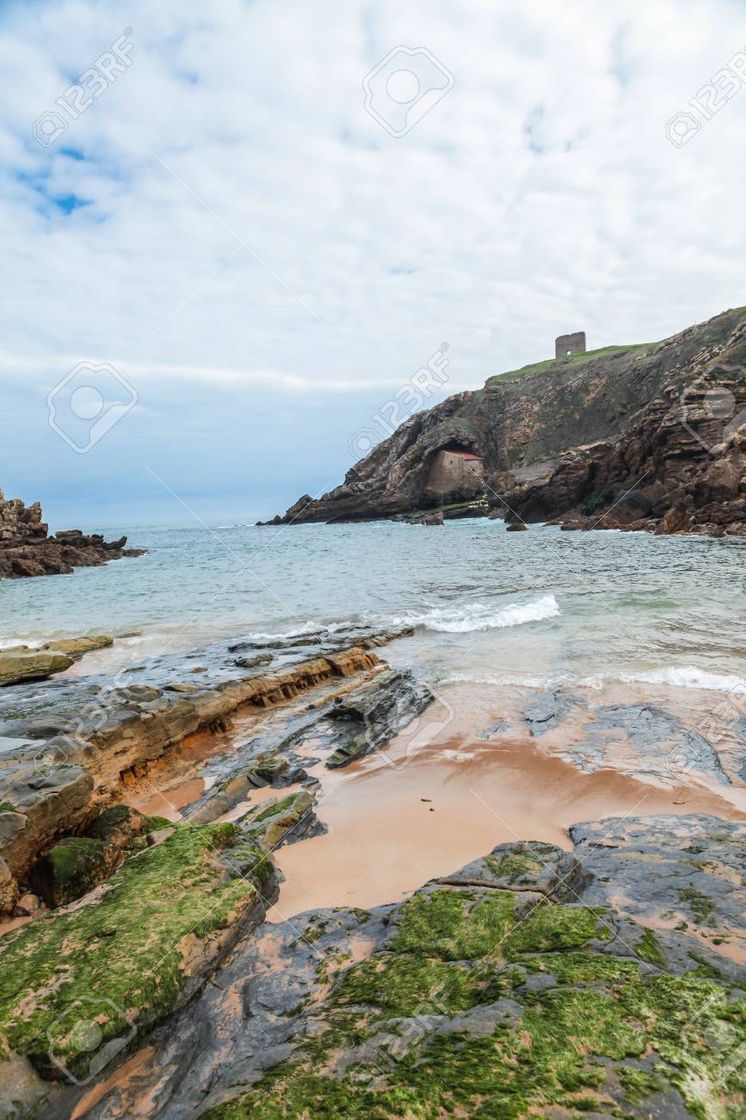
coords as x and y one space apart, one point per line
232 233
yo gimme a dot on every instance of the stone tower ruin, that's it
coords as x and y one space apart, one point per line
568 344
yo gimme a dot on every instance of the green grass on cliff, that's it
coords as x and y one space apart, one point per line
560 363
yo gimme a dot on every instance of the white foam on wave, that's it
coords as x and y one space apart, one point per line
298 632
32 643
685 676
511 679
465 618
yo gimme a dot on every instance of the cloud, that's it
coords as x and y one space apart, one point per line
226 213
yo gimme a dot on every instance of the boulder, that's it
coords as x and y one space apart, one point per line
283 820
116 827
28 905
76 647
69 870
31 665
676 520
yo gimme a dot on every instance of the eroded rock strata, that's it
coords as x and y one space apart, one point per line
72 746
640 437
137 978
26 548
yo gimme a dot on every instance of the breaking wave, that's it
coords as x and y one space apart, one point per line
463 619
687 676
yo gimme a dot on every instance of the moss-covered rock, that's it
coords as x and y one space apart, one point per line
118 826
68 870
502 1005
280 819
137 948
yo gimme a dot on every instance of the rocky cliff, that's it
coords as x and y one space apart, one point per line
640 436
26 549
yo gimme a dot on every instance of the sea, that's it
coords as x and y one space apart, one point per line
537 608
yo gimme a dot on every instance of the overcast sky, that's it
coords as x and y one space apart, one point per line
263 260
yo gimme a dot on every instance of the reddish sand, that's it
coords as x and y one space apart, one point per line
170 800
392 827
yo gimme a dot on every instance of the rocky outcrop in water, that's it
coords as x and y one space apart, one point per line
645 436
26 549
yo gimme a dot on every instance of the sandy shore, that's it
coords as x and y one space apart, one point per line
395 822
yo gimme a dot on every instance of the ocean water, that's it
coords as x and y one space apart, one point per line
487 605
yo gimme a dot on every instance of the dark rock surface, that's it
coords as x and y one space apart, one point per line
637 437
26 549
662 745
531 982
69 746
547 711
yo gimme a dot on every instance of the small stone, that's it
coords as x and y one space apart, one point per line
27 905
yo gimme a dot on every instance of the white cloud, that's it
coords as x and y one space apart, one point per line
540 195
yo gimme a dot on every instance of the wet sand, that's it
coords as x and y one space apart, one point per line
394 826
169 801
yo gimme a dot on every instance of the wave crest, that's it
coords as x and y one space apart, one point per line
464 619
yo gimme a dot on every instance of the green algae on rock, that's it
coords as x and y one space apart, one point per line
136 945
68 870
504 1005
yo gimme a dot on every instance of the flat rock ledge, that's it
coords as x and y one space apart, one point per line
71 747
